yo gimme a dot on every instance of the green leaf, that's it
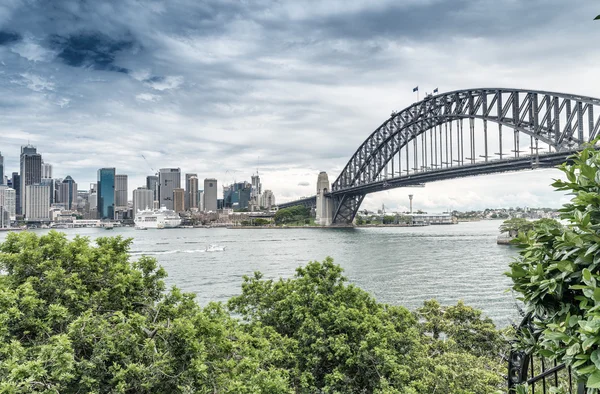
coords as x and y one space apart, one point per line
596 18
595 358
593 381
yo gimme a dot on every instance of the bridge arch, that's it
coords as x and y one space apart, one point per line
562 122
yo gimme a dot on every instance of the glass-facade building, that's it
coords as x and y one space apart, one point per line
106 193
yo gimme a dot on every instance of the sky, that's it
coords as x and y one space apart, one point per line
222 88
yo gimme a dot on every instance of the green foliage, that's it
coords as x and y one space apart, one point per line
76 318
261 222
558 272
515 225
297 213
79 318
338 339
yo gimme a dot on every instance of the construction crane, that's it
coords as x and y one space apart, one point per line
153 170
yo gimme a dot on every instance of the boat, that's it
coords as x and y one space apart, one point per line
156 218
109 226
215 248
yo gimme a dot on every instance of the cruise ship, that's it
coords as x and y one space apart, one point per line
156 218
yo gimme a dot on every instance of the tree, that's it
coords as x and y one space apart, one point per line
77 318
515 225
558 274
297 213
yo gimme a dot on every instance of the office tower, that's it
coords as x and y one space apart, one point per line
152 184
46 170
238 195
191 191
201 200
178 200
67 193
121 192
210 195
142 199
53 192
16 184
8 201
38 206
31 172
106 193
169 179
267 199
1 169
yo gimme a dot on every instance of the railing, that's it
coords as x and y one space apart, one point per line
537 372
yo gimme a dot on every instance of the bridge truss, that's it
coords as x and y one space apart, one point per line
448 136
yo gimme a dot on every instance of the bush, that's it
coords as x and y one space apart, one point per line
558 273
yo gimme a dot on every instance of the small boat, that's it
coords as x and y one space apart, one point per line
141 228
215 248
109 226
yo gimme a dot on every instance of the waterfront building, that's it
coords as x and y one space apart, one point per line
152 184
237 195
8 201
425 219
16 184
92 212
178 200
1 169
31 172
169 179
46 170
106 193
267 199
37 200
256 192
191 191
67 193
121 192
210 195
143 198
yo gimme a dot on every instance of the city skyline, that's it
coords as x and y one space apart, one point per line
291 89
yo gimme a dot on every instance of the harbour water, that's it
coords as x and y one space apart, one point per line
398 265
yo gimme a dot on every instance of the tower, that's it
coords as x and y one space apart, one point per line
106 193
31 172
324 203
410 197
169 179
210 195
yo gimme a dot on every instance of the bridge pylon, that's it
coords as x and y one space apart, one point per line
324 207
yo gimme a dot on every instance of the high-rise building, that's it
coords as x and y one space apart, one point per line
51 184
106 193
169 179
121 192
46 170
191 191
237 195
201 200
142 199
31 172
67 193
267 199
178 200
16 184
210 195
1 169
8 201
152 184
38 206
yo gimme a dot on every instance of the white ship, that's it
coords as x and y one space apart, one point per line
156 218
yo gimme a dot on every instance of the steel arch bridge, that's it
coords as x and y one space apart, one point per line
419 144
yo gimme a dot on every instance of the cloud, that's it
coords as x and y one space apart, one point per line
210 86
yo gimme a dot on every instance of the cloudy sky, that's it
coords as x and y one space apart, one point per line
218 87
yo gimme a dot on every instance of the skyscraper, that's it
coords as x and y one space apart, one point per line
1 169
106 193
267 199
8 201
191 191
46 170
38 206
152 184
31 172
16 184
68 193
121 192
210 195
169 179
142 199
178 200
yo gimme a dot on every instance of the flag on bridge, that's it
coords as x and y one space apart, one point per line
435 90
416 89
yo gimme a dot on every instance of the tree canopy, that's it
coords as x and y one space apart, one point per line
77 317
297 213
